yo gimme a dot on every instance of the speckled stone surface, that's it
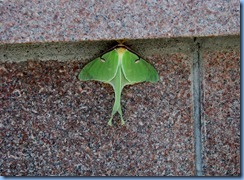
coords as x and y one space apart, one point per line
221 112
47 21
53 124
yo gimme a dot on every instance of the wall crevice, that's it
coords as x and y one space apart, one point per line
196 92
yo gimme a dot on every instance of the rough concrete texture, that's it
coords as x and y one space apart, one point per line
87 50
221 109
47 21
53 124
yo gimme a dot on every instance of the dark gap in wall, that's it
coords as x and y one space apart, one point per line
196 92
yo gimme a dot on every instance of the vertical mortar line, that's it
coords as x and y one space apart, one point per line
196 91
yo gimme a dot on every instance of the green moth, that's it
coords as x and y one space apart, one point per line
119 67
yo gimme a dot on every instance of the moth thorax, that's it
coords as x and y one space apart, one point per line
121 50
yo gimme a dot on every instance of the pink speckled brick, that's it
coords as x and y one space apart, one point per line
221 113
53 124
47 21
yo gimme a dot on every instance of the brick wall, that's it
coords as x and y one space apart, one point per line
53 124
187 124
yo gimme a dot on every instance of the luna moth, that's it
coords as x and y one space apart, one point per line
120 66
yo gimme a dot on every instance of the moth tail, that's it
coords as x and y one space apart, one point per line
110 121
121 116
115 109
120 113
